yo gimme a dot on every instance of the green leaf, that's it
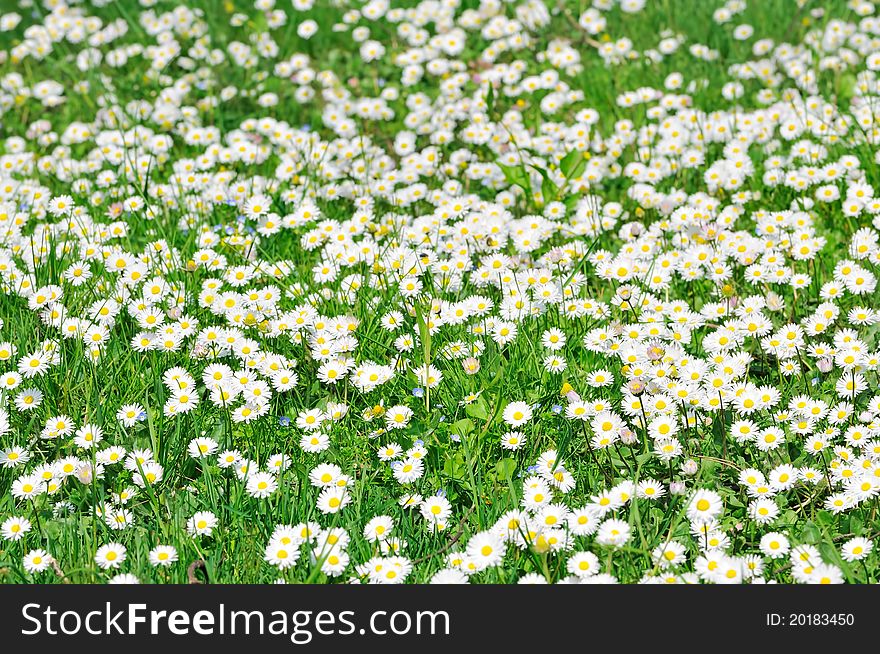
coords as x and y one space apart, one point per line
847 87
548 187
478 409
855 524
707 468
830 553
455 467
548 190
424 334
53 529
505 468
517 176
811 533
735 502
490 100
825 518
788 518
573 164
462 427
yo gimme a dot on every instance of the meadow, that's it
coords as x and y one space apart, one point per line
439 291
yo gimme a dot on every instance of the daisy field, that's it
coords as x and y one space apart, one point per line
439 291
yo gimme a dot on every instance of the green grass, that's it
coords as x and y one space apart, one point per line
464 457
